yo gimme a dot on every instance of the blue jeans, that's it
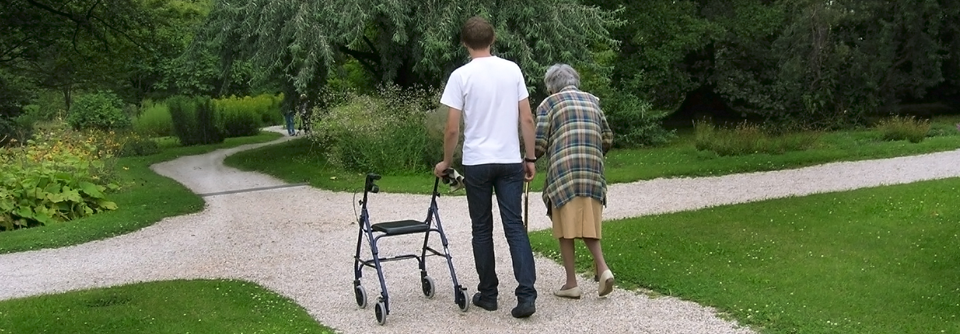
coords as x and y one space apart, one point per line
289 119
507 181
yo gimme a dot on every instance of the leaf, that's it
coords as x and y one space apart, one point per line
91 189
72 195
24 212
107 204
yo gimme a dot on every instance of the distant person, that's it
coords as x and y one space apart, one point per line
573 133
491 94
288 116
304 113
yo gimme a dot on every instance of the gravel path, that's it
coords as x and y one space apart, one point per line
300 241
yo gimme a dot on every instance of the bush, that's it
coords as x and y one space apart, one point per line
59 176
746 139
385 133
154 120
239 122
634 122
194 120
101 110
264 108
136 146
903 128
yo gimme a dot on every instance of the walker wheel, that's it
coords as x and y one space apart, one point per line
460 297
381 311
361 296
428 287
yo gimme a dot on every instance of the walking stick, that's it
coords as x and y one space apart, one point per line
526 205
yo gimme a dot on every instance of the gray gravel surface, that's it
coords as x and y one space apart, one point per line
300 242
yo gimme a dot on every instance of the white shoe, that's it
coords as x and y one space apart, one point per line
573 293
606 283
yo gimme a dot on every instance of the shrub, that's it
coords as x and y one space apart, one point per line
59 176
903 128
386 133
264 108
194 120
154 120
101 110
239 122
634 122
746 139
136 146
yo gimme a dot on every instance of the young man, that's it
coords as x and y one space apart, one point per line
491 95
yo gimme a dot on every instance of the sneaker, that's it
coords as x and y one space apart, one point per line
484 304
524 310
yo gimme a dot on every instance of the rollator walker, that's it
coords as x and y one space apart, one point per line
374 232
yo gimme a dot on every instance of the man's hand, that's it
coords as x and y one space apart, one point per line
529 171
441 169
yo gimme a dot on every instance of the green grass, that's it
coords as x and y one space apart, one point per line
297 161
875 260
193 306
145 198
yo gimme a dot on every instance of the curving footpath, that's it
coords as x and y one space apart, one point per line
300 241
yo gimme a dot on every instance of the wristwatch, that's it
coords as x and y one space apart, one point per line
530 160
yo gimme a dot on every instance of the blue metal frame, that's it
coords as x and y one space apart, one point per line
433 215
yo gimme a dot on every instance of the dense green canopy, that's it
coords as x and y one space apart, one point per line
404 42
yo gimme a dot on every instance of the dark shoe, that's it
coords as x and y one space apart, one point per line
524 310
484 304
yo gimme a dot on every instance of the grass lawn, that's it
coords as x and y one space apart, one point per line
304 163
875 260
193 306
145 198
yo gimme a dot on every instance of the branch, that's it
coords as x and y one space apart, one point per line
54 11
367 59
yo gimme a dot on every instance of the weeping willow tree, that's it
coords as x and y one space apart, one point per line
408 43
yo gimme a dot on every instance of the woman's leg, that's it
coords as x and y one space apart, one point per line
598 262
569 262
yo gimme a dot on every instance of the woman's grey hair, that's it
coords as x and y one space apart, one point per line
559 76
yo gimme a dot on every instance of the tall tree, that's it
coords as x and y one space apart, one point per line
403 42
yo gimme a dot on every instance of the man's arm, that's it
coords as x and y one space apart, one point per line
527 129
451 136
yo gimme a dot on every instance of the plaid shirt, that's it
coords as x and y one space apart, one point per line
573 132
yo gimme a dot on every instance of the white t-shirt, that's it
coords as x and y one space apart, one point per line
487 91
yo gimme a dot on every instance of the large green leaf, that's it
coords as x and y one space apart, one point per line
108 205
24 211
72 195
91 189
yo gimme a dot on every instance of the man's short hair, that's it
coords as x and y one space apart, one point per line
477 33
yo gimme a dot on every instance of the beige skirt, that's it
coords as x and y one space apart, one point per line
579 218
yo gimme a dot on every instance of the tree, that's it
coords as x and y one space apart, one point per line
114 44
403 42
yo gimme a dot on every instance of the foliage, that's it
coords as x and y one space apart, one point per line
176 306
385 133
101 110
195 120
304 162
136 146
874 260
634 122
747 138
808 63
401 42
903 128
154 120
245 116
144 198
58 176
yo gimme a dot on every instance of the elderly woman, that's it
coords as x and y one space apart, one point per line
573 132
